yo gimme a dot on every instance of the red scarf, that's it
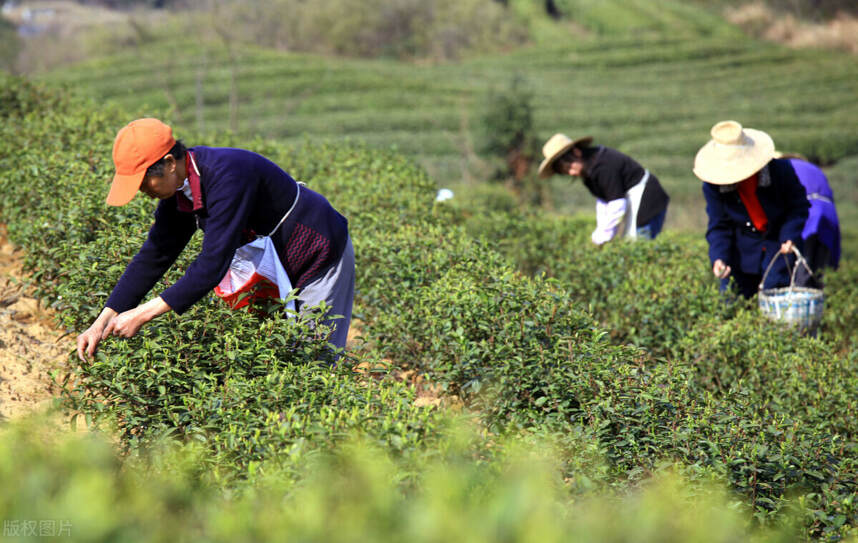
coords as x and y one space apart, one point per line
748 194
196 204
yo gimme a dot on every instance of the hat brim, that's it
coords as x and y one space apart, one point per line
124 188
711 168
545 167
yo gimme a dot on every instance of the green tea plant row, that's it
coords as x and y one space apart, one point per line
640 409
522 354
661 297
526 355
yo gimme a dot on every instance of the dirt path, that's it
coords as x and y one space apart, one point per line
30 345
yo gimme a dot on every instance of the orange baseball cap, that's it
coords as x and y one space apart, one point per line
138 145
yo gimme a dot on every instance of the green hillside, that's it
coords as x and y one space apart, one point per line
511 382
650 79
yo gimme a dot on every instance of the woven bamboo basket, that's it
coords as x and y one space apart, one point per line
799 307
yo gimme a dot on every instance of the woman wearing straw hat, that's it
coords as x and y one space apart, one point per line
756 206
629 199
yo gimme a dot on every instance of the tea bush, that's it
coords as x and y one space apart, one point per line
799 376
76 486
491 336
799 382
628 348
518 352
647 294
725 372
840 319
246 387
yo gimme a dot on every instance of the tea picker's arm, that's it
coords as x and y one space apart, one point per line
124 324
128 323
719 231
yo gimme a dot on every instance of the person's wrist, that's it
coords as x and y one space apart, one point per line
140 314
101 323
153 308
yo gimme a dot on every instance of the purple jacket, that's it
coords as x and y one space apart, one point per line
822 219
237 195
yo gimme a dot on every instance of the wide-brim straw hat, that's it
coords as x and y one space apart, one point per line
555 147
733 154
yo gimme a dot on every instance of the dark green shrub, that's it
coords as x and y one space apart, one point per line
840 318
648 293
19 96
506 129
801 390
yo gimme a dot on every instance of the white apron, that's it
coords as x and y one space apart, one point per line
633 203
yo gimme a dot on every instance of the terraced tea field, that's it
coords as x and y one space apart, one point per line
648 81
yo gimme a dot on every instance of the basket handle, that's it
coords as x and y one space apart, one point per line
798 259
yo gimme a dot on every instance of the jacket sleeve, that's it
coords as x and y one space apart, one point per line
229 203
608 218
719 232
794 200
168 236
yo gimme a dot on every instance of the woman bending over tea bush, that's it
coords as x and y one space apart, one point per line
756 206
625 192
231 195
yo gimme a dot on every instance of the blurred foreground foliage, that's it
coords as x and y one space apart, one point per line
77 486
625 359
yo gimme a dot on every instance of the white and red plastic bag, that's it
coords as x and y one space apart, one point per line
256 271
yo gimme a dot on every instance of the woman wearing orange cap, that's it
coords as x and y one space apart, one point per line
231 195
626 194
756 206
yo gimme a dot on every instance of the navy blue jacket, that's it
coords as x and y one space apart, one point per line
237 195
732 236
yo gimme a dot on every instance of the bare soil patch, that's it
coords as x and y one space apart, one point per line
31 346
